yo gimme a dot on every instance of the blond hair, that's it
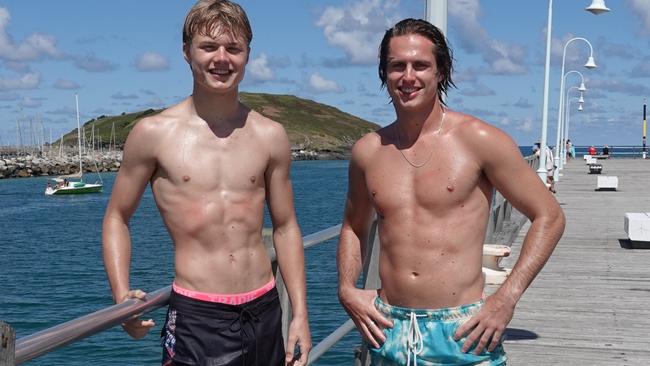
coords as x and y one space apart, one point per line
208 17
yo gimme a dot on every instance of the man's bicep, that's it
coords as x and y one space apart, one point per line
511 175
358 207
138 166
279 191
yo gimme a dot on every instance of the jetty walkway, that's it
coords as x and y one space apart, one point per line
591 303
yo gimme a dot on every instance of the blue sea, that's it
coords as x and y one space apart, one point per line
51 267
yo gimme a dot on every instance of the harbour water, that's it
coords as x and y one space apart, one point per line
51 267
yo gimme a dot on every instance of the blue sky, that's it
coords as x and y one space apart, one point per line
125 56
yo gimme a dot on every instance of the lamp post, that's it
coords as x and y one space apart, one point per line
568 114
560 122
591 64
596 7
565 126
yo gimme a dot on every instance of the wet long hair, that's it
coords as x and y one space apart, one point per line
441 51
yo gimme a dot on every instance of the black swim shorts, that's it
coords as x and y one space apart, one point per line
205 333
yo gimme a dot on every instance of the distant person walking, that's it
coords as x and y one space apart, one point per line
549 165
212 163
569 149
428 177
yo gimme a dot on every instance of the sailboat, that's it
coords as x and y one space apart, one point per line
74 183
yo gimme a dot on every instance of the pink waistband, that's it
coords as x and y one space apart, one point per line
231 299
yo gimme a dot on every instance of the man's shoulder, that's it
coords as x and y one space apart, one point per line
161 121
265 127
368 144
474 129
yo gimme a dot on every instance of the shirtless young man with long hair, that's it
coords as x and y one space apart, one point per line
429 178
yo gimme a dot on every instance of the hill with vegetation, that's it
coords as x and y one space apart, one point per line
310 125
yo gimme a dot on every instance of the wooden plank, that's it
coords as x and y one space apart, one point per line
7 344
591 303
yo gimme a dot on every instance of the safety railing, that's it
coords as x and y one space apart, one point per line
48 340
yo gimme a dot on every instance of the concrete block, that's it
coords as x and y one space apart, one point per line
607 183
637 226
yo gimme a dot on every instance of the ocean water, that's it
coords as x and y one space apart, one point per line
51 267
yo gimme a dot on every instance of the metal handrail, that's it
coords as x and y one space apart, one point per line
47 340
323 346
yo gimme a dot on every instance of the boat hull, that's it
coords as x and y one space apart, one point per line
86 188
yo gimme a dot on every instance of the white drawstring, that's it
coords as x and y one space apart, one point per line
414 341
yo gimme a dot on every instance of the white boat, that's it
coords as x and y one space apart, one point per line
74 183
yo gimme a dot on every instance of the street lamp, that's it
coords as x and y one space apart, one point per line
560 120
596 7
590 65
565 129
568 114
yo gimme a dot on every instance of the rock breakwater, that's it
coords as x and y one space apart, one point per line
35 166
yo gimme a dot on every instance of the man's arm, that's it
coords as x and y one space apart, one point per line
288 242
137 167
359 304
504 166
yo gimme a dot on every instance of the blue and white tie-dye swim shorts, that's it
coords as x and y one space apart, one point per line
426 337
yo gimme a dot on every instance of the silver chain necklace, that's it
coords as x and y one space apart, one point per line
442 121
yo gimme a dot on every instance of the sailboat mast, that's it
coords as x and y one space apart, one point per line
76 96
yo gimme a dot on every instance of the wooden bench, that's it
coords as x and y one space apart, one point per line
637 226
493 272
607 183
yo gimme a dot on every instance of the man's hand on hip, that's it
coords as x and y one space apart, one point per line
360 306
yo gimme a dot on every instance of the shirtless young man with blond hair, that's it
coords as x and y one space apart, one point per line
212 163
429 178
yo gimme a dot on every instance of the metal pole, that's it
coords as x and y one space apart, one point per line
541 170
436 14
644 129
76 97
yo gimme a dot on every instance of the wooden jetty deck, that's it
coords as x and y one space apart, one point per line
590 305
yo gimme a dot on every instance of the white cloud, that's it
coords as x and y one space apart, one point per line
91 63
357 28
27 81
28 102
35 47
503 59
642 10
319 84
66 84
259 69
150 61
526 125
123 96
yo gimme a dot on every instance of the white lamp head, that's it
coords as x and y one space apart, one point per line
580 107
582 87
597 7
591 64
581 99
